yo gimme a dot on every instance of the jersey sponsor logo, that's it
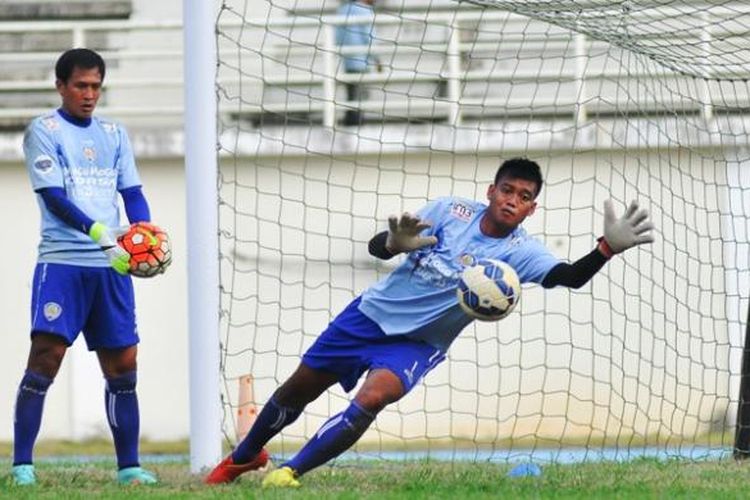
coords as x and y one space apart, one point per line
434 270
91 182
43 164
52 311
50 123
462 211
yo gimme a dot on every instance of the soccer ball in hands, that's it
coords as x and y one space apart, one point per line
488 290
149 249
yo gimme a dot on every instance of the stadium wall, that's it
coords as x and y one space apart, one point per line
550 348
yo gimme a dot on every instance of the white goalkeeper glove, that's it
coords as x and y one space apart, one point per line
632 229
403 234
106 238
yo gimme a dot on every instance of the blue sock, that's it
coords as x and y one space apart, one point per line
121 403
271 419
28 415
335 436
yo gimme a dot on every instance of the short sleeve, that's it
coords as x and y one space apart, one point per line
434 213
40 152
533 261
127 172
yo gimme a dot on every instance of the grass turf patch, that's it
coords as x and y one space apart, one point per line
413 480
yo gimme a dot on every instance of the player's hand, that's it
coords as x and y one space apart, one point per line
632 229
403 234
106 238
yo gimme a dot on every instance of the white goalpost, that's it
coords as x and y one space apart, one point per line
202 229
637 99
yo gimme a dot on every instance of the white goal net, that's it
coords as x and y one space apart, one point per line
641 99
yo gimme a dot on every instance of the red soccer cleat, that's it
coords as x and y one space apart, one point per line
227 471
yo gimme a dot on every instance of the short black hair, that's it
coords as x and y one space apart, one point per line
521 168
78 58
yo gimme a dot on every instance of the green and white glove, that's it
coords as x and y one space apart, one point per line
106 238
632 229
403 234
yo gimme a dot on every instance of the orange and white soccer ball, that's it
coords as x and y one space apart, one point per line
149 248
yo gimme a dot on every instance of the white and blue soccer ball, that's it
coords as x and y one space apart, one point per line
488 290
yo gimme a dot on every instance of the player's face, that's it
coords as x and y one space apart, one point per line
511 201
81 92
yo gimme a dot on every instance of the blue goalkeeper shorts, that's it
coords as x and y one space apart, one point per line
67 300
353 344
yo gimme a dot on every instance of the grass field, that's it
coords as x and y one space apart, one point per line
379 479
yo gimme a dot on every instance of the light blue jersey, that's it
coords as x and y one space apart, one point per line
418 298
356 35
91 163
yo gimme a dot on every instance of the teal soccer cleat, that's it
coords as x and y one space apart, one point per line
135 475
23 475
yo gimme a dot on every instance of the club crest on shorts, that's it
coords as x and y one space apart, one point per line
52 311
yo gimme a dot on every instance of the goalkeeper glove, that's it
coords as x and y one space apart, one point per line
106 238
632 229
403 234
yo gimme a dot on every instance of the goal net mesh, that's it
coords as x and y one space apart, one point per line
641 99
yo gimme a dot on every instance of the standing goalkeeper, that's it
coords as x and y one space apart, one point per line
401 328
78 164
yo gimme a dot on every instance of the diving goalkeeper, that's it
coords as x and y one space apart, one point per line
401 327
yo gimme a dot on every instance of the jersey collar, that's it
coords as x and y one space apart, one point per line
78 122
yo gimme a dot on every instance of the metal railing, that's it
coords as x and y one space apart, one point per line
79 33
318 84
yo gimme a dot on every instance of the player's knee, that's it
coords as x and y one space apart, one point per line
116 370
45 362
372 405
303 387
374 400
45 358
117 362
291 397
381 389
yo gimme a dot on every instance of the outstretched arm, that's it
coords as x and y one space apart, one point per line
577 274
630 230
376 246
402 236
